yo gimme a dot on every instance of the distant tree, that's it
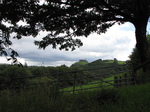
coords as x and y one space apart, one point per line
65 19
115 61
9 75
39 71
134 57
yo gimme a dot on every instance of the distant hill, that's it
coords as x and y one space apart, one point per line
83 64
98 63
80 63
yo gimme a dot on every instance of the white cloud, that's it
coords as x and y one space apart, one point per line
117 42
3 60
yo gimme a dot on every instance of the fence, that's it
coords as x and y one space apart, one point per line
122 78
121 75
101 84
85 79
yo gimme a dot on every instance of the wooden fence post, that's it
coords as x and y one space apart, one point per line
134 74
116 82
120 80
74 82
125 79
132 81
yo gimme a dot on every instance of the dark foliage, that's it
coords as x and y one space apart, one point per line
66 19
11 76
139 69
106 96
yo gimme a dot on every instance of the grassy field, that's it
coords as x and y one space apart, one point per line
119 62
94 84
126 99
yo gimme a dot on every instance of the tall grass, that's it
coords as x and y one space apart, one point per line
126 99
39 99
46 99
136 98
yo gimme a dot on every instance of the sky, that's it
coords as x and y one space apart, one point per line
118 42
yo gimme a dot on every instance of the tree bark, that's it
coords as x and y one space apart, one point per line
141 40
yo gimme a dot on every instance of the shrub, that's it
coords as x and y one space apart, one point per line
9 75
108 96
41 99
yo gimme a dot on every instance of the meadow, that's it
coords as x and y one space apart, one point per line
45 99
101 83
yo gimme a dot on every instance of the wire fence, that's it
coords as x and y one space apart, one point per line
78 80
116 81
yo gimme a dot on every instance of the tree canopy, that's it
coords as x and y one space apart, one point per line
12 12
66 19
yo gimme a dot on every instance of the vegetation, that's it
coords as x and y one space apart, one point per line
126 99
64 20
12 75
9 73
135 58
142 74
48 97
113 100
80 63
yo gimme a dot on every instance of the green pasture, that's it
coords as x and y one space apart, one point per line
44 99
119 62
92 85
99 84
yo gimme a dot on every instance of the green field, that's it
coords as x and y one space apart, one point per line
92 85
126 99
119 62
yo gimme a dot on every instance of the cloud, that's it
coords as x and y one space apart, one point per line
117 42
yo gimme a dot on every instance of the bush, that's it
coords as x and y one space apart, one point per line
41 99
8 77
108 96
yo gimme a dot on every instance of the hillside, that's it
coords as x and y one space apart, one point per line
83 64
80 63
97 63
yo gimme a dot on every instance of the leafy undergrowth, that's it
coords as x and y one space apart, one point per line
44 99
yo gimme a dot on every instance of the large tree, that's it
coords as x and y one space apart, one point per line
82 17
66 19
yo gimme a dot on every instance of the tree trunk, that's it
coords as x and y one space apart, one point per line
141 40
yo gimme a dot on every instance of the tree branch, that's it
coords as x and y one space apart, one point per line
120 11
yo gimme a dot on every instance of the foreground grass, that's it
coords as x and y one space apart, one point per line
126 99
41 99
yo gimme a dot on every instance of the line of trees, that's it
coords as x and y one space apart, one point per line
12 75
